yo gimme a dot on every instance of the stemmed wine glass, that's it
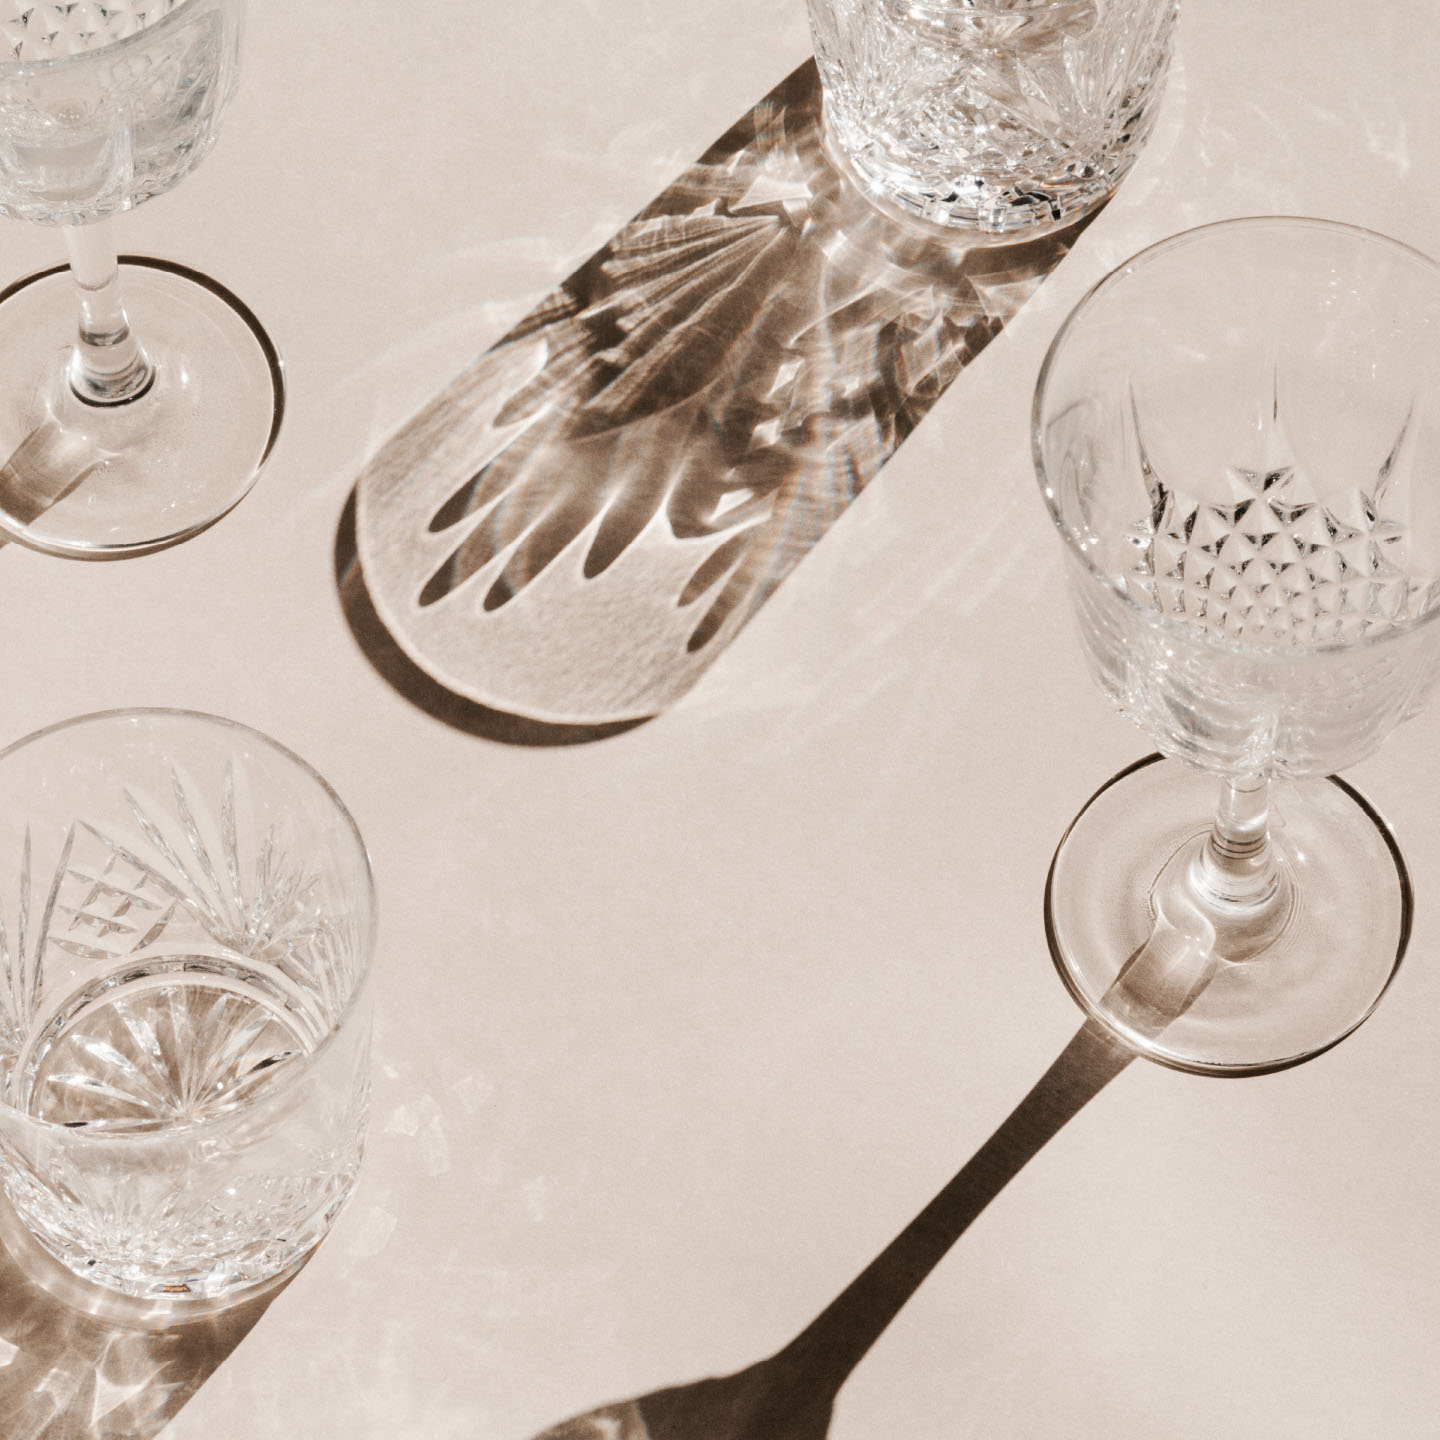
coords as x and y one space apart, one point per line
148 418
1236 435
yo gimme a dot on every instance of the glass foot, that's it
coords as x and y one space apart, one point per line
104 481
1218 988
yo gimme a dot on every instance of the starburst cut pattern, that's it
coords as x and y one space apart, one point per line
1271 563
194 968
48 30
579 524
171 1055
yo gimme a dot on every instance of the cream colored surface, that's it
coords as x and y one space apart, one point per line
678 1029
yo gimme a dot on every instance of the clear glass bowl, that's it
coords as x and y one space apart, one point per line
1237 435
102 107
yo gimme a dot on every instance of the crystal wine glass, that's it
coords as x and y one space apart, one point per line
1237 434
149 419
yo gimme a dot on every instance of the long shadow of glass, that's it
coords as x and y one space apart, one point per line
69 1374
583 520
790 1395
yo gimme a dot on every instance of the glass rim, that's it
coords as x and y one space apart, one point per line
17 67
1116 276
168 1134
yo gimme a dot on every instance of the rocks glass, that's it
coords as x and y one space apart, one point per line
1237 434
1000 116
186 927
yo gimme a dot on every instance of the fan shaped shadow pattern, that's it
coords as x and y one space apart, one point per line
576 527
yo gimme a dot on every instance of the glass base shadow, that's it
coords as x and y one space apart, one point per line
586 517
75 1365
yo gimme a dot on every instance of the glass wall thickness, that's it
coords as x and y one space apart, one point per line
185 942
995 115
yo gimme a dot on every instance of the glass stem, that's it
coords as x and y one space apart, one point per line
1238 865
108 365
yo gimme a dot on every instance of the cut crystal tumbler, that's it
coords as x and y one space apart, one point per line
186 927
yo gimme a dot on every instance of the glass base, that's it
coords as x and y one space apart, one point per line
106 481
993 213
1226 989
40 1268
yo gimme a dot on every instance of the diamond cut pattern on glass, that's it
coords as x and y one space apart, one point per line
1271 562
204 964
47 31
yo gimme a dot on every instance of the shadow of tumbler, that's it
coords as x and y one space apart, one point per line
585 518
67 1374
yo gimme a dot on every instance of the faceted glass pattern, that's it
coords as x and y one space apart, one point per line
1000 115
1270 563
45 31
1238 437
1236 434
104 105
183 949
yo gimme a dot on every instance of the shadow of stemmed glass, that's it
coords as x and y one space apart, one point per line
42 470
791 1394
584 519
75 1365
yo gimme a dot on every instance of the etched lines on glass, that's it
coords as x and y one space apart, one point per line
184 923
1000 116
251 974
24 976
1272 563
149 1056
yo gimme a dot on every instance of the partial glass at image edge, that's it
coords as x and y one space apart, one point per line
994 117
1253 544
184 1019
159 418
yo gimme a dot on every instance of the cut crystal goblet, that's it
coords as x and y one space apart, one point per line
1237 434
138 398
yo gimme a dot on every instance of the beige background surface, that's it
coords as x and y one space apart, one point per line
676 1030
